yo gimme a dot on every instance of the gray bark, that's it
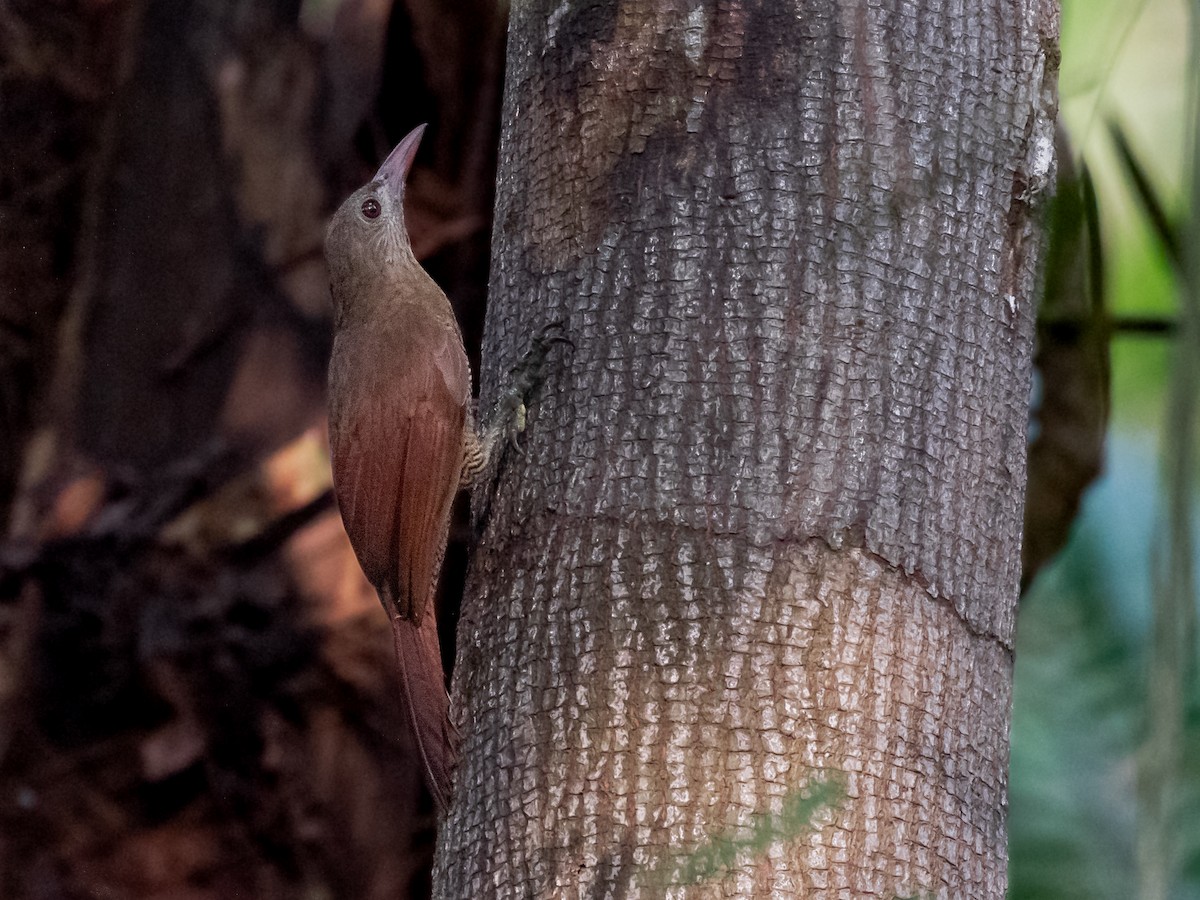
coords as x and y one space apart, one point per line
764 542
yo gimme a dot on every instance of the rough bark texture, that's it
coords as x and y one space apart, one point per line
766 533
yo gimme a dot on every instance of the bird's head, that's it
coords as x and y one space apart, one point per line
367 234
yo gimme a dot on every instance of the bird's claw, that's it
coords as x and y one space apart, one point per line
527 375
518 426
547 336
510 416
511 410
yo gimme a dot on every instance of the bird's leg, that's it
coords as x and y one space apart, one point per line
475 452
483 447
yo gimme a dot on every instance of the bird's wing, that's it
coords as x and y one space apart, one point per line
397 454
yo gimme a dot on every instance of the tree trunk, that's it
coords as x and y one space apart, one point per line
741 618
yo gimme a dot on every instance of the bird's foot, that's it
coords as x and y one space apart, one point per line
508 420
527 376
509 416
484 451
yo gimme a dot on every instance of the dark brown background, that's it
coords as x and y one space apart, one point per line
194 679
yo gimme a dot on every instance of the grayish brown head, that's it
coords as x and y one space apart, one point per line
366 237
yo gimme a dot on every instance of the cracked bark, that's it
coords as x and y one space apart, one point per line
766 531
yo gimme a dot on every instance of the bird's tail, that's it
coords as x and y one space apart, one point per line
423 686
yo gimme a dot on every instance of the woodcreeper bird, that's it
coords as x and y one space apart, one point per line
402 435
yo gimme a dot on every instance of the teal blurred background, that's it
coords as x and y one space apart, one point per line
1081 717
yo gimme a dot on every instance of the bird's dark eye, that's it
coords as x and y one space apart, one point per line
370 208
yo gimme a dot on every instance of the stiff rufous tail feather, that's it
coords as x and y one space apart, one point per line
427 706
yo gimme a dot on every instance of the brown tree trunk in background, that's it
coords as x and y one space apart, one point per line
741 618
196 684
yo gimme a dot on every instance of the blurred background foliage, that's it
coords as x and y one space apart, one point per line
1094 811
